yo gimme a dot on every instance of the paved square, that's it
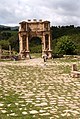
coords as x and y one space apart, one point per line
33 89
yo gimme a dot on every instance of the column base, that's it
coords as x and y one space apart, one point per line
44 52
48 53
25 55
28 55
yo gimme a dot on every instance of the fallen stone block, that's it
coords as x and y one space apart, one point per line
75 74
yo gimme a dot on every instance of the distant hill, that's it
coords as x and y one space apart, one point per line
14 28
58 31
9 35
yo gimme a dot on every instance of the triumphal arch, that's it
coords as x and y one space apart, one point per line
28 30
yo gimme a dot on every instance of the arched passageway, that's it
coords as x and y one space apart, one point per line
34 30
35 46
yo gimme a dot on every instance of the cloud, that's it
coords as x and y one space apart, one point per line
59 12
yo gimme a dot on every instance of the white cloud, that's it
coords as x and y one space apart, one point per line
59 12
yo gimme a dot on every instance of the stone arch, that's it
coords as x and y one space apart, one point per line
34 28
35 42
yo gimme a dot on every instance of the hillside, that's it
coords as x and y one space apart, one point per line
9 35
2 27
58 31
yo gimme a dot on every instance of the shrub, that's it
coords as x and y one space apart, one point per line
65 46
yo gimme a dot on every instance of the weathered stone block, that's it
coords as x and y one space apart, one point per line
74 72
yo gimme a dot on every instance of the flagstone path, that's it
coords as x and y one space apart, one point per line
32 89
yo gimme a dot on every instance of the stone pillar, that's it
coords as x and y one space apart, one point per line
74 67
49 51
49 43
44 42
42 47
9 50
21 44
0 51
27 48
27 44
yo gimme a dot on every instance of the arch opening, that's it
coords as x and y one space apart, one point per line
34 37
35 46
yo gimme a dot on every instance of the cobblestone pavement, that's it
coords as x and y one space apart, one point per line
33 89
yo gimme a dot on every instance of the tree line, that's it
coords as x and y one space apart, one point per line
65 39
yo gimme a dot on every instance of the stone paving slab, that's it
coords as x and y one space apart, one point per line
38 90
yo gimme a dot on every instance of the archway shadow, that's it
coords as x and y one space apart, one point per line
35 47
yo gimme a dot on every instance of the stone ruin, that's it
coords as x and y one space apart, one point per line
75 73
28 30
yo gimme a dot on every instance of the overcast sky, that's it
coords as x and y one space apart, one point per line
58 12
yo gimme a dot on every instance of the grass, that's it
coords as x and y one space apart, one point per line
39 91
35 55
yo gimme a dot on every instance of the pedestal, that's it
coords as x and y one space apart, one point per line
28 55
25 55
44 52
49 54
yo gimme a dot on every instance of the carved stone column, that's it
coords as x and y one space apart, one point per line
27 44
27 48
20 46
49 43
44 42
10 50
0 51
42 47
49 51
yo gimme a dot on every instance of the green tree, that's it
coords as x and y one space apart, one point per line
76 39
14 42
4 44
65 46
4 35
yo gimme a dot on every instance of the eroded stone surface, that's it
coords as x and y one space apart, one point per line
42 91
